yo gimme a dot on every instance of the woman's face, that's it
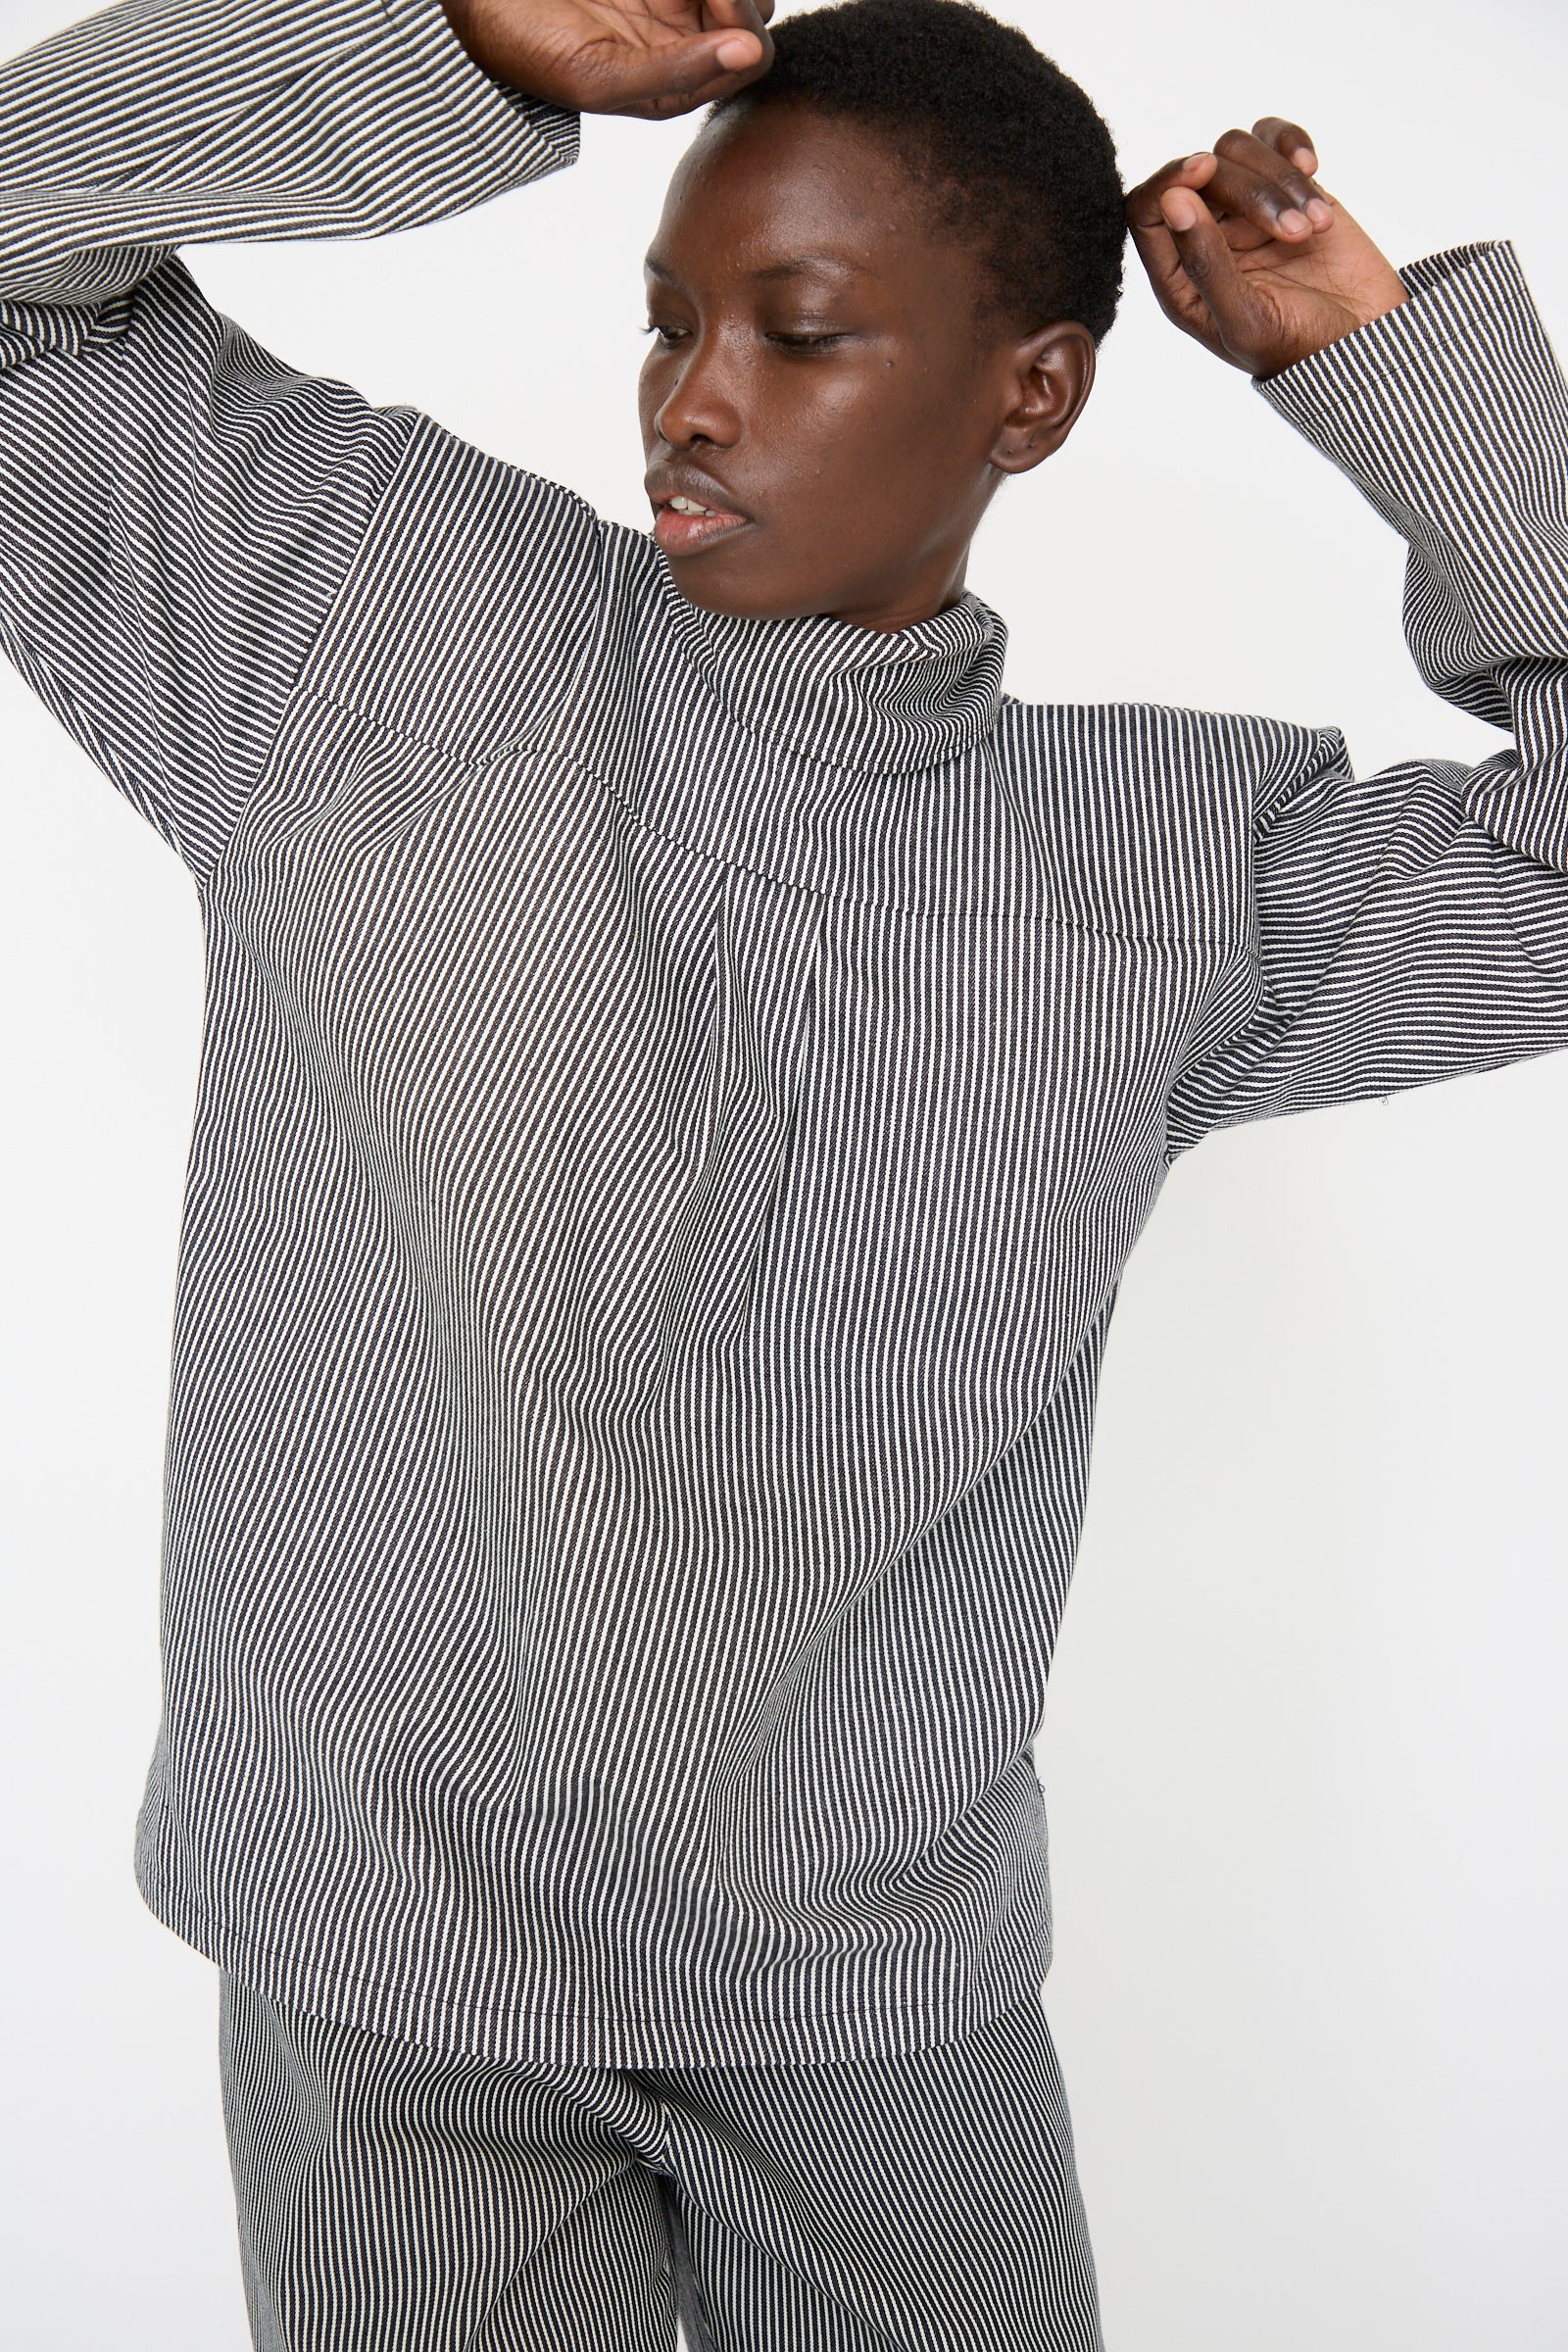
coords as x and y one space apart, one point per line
824 381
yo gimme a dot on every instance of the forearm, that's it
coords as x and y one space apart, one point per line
1412 925
144 129
1450 416
177 509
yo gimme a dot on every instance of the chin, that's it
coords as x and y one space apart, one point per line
716 588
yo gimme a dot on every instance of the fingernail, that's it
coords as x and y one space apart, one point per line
1203 156
1320 214
1293 223
743 50
1304 160
1180 209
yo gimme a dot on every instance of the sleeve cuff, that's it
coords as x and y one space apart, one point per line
1460 297
1444 406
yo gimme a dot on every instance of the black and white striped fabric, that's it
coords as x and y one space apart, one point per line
677 1094
394 2200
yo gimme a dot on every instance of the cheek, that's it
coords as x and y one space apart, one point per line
877 455
841 429
651 394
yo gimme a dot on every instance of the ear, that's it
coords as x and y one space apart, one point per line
1046 381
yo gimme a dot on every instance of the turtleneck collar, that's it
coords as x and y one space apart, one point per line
884 700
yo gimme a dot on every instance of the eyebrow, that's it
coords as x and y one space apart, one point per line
806 265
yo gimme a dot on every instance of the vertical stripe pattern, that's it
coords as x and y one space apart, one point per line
395 2199
677 1093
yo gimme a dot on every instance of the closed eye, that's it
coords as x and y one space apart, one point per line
785 338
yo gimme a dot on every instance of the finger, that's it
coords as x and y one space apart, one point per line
750 26
1210 268
1255 182
1289 140
1253 213
1186 170
661 82
1246 147
1156 249
748 16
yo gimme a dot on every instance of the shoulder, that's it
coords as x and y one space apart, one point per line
1121 746
1148 812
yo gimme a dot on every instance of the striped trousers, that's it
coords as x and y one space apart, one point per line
397 2199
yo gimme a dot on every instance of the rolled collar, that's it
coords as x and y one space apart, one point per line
884 700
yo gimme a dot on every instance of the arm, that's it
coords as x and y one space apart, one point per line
1414 925
177 509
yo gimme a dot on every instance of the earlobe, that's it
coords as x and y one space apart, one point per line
1050 377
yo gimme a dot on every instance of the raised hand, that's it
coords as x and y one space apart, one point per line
619 56
1261 266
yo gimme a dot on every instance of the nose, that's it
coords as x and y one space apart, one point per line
702 407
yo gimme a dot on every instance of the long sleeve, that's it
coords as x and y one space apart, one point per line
1414 925
177 509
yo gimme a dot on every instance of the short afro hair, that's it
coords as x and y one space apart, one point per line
1018 161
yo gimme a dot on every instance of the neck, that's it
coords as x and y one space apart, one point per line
935 589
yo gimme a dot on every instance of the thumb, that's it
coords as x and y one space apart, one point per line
1210 266
733 52
672 78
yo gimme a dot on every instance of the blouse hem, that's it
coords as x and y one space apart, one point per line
567 2037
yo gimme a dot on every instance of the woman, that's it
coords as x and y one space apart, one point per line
686 1061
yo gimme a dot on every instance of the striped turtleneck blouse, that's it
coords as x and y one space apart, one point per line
677 1094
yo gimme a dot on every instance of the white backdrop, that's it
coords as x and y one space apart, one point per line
1306 1758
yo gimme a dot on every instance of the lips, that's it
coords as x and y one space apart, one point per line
689 516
